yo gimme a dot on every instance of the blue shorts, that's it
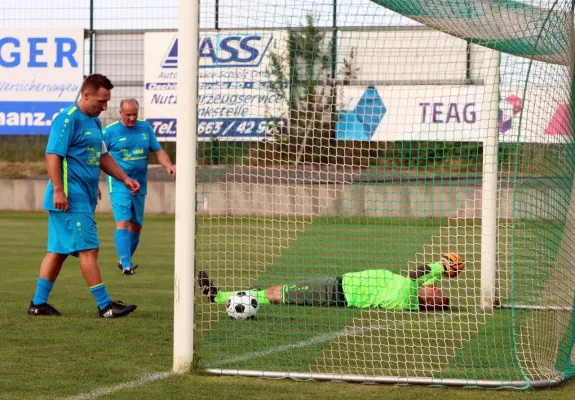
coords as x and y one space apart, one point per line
71 232
127 207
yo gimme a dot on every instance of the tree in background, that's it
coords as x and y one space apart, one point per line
303 79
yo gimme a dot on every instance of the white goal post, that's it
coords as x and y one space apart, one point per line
189 31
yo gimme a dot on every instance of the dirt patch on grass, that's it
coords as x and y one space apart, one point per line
20 170
37 170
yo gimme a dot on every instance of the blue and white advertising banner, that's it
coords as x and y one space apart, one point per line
234 101
41 71
452 113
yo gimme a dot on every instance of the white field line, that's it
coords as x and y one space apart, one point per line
144 380
325 337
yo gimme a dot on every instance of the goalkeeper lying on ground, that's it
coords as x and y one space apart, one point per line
377 288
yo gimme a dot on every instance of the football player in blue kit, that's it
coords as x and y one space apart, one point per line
75 153
130 141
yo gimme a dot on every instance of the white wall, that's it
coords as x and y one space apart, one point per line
264 200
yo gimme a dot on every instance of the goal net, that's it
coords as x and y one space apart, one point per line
336 137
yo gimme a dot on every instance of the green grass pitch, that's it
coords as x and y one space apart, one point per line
50 358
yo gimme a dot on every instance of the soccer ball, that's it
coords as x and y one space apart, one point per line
242 305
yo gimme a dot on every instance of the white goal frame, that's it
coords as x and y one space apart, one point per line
185 212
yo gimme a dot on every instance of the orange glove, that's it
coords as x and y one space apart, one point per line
453 264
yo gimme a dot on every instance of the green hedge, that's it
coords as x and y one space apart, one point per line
463 156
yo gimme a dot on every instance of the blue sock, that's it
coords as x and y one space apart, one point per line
43 289
122 239
101 295
134 240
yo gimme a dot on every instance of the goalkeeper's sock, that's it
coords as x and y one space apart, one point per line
134 241
43 289
101 295
122 239
260 295
222 297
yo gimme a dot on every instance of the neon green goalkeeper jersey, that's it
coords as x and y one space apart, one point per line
380 288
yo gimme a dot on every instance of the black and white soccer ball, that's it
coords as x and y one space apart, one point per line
242 306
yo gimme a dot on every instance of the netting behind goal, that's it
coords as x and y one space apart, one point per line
337 137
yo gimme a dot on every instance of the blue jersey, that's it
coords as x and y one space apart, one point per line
131 147
77 138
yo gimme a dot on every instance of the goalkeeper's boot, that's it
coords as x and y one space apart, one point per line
208 288
43 309
116 309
